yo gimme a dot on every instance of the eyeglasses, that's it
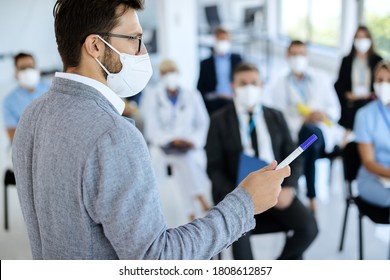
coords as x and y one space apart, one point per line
139 38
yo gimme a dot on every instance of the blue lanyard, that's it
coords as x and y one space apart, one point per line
252 125
302 89
249 129
382 110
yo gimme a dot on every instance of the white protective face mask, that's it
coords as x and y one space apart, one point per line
362 45
29 78
298 63
382 90
248 96
222 47
170 81
133 77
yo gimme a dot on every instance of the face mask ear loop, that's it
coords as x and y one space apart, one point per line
101 65
111 47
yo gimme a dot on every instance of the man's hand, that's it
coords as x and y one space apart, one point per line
264 186
315 117
353 97
182 144
285 199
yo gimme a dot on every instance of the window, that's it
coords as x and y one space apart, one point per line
377 18
314 21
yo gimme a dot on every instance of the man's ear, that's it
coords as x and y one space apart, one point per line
93 46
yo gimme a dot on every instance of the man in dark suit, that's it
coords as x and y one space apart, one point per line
216 72
247 127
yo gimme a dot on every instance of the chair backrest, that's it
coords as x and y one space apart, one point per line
351 161
379 215
9 178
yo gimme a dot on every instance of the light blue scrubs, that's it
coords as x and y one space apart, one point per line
17 101
372 126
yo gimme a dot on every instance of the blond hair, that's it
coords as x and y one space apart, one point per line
168 65
383 64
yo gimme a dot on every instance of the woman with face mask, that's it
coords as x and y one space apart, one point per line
372 129
354 85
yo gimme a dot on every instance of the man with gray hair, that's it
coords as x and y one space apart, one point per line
175 127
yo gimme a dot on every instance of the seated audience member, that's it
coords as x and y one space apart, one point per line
354 85
175 127
372 133
29 88
309 103
248 127
216 72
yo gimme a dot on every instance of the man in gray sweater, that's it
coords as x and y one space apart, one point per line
83 171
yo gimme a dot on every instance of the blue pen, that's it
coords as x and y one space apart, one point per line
297 152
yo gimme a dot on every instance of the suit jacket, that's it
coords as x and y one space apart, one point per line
344 81
224 146
88 191
207 76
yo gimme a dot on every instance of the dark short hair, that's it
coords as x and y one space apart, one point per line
22 55
77 19
220 30
295 43
245 67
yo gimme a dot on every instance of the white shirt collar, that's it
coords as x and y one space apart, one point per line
257 110
114 99
264 141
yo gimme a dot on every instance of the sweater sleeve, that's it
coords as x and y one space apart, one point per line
120 194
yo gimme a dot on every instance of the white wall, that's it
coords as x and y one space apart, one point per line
177 37
29 26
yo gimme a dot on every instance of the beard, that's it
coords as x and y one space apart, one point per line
111 61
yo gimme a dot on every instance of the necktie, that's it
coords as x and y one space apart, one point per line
252 130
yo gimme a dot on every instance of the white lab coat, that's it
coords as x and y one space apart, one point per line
164 122
321 97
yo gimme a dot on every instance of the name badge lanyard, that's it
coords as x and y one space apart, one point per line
248 131
300 93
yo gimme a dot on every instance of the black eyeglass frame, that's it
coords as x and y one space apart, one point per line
138 37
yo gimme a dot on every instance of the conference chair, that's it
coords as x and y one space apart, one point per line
9 180
379 215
